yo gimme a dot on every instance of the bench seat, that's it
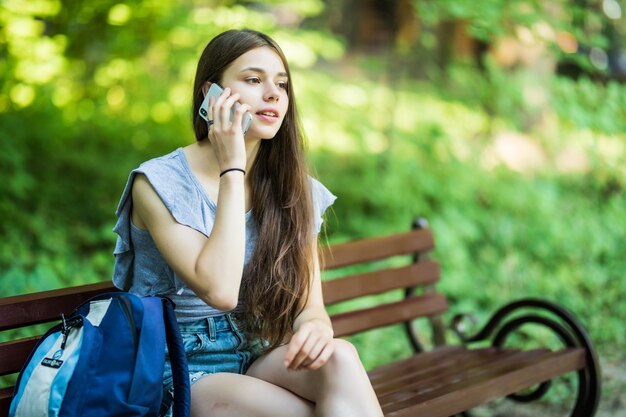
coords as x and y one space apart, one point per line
449 380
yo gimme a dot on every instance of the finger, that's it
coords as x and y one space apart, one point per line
313 353
239 112
323 357
295 345
230 101
305 352
217 109
225 107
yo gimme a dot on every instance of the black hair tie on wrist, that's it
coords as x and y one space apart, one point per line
232 169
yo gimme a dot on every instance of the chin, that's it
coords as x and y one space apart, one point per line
265 134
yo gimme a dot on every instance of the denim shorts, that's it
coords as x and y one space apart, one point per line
212 345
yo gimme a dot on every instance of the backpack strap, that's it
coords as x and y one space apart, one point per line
180 372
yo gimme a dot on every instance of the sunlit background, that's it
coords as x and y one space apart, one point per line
502 122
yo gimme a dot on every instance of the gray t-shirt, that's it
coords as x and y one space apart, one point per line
140 268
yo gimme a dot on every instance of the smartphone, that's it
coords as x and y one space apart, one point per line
215 91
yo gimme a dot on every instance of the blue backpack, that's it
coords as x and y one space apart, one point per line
106 359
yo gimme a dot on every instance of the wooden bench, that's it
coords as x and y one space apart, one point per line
445 381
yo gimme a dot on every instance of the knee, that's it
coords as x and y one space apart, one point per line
345 355
345 350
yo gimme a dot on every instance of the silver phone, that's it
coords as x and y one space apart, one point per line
215 91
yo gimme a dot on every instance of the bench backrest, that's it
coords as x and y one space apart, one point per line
385 273
27 310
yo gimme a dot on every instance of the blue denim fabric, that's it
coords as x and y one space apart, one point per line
212 345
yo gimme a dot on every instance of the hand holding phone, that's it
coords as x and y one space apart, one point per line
215 91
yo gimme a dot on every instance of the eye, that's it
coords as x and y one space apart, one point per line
282 84
253 80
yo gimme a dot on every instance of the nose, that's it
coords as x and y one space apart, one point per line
272 93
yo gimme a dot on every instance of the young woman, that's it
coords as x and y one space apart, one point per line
226 227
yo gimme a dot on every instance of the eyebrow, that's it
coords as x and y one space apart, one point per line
262 71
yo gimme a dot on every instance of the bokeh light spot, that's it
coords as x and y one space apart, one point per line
119 14
22 95
116 96
162 112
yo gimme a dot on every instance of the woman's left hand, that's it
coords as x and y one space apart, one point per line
310 346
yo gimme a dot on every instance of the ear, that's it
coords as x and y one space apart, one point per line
205 87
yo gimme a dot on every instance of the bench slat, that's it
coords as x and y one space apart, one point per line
14 353
356 321
5 400
457 367
372 249
29 309
417 361
490 382
524 365
412 377
354 286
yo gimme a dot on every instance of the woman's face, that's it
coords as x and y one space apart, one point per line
260 78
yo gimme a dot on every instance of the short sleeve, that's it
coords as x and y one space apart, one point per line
178 191
322 199
124 256
182 200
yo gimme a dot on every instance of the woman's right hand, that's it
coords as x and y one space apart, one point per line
226 137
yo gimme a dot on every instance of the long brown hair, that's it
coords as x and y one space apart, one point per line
276 281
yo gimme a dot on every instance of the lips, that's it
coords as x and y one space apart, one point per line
268 114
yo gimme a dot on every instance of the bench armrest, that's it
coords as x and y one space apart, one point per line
555 317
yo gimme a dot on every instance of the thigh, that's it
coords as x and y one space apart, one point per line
271 368
226 395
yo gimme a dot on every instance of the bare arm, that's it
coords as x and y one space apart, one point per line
312 343
314 308
212 267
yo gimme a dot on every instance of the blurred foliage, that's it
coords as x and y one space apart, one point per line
488 18
521 175
558 22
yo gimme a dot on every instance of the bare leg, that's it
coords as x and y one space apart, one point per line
339 388
234 395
